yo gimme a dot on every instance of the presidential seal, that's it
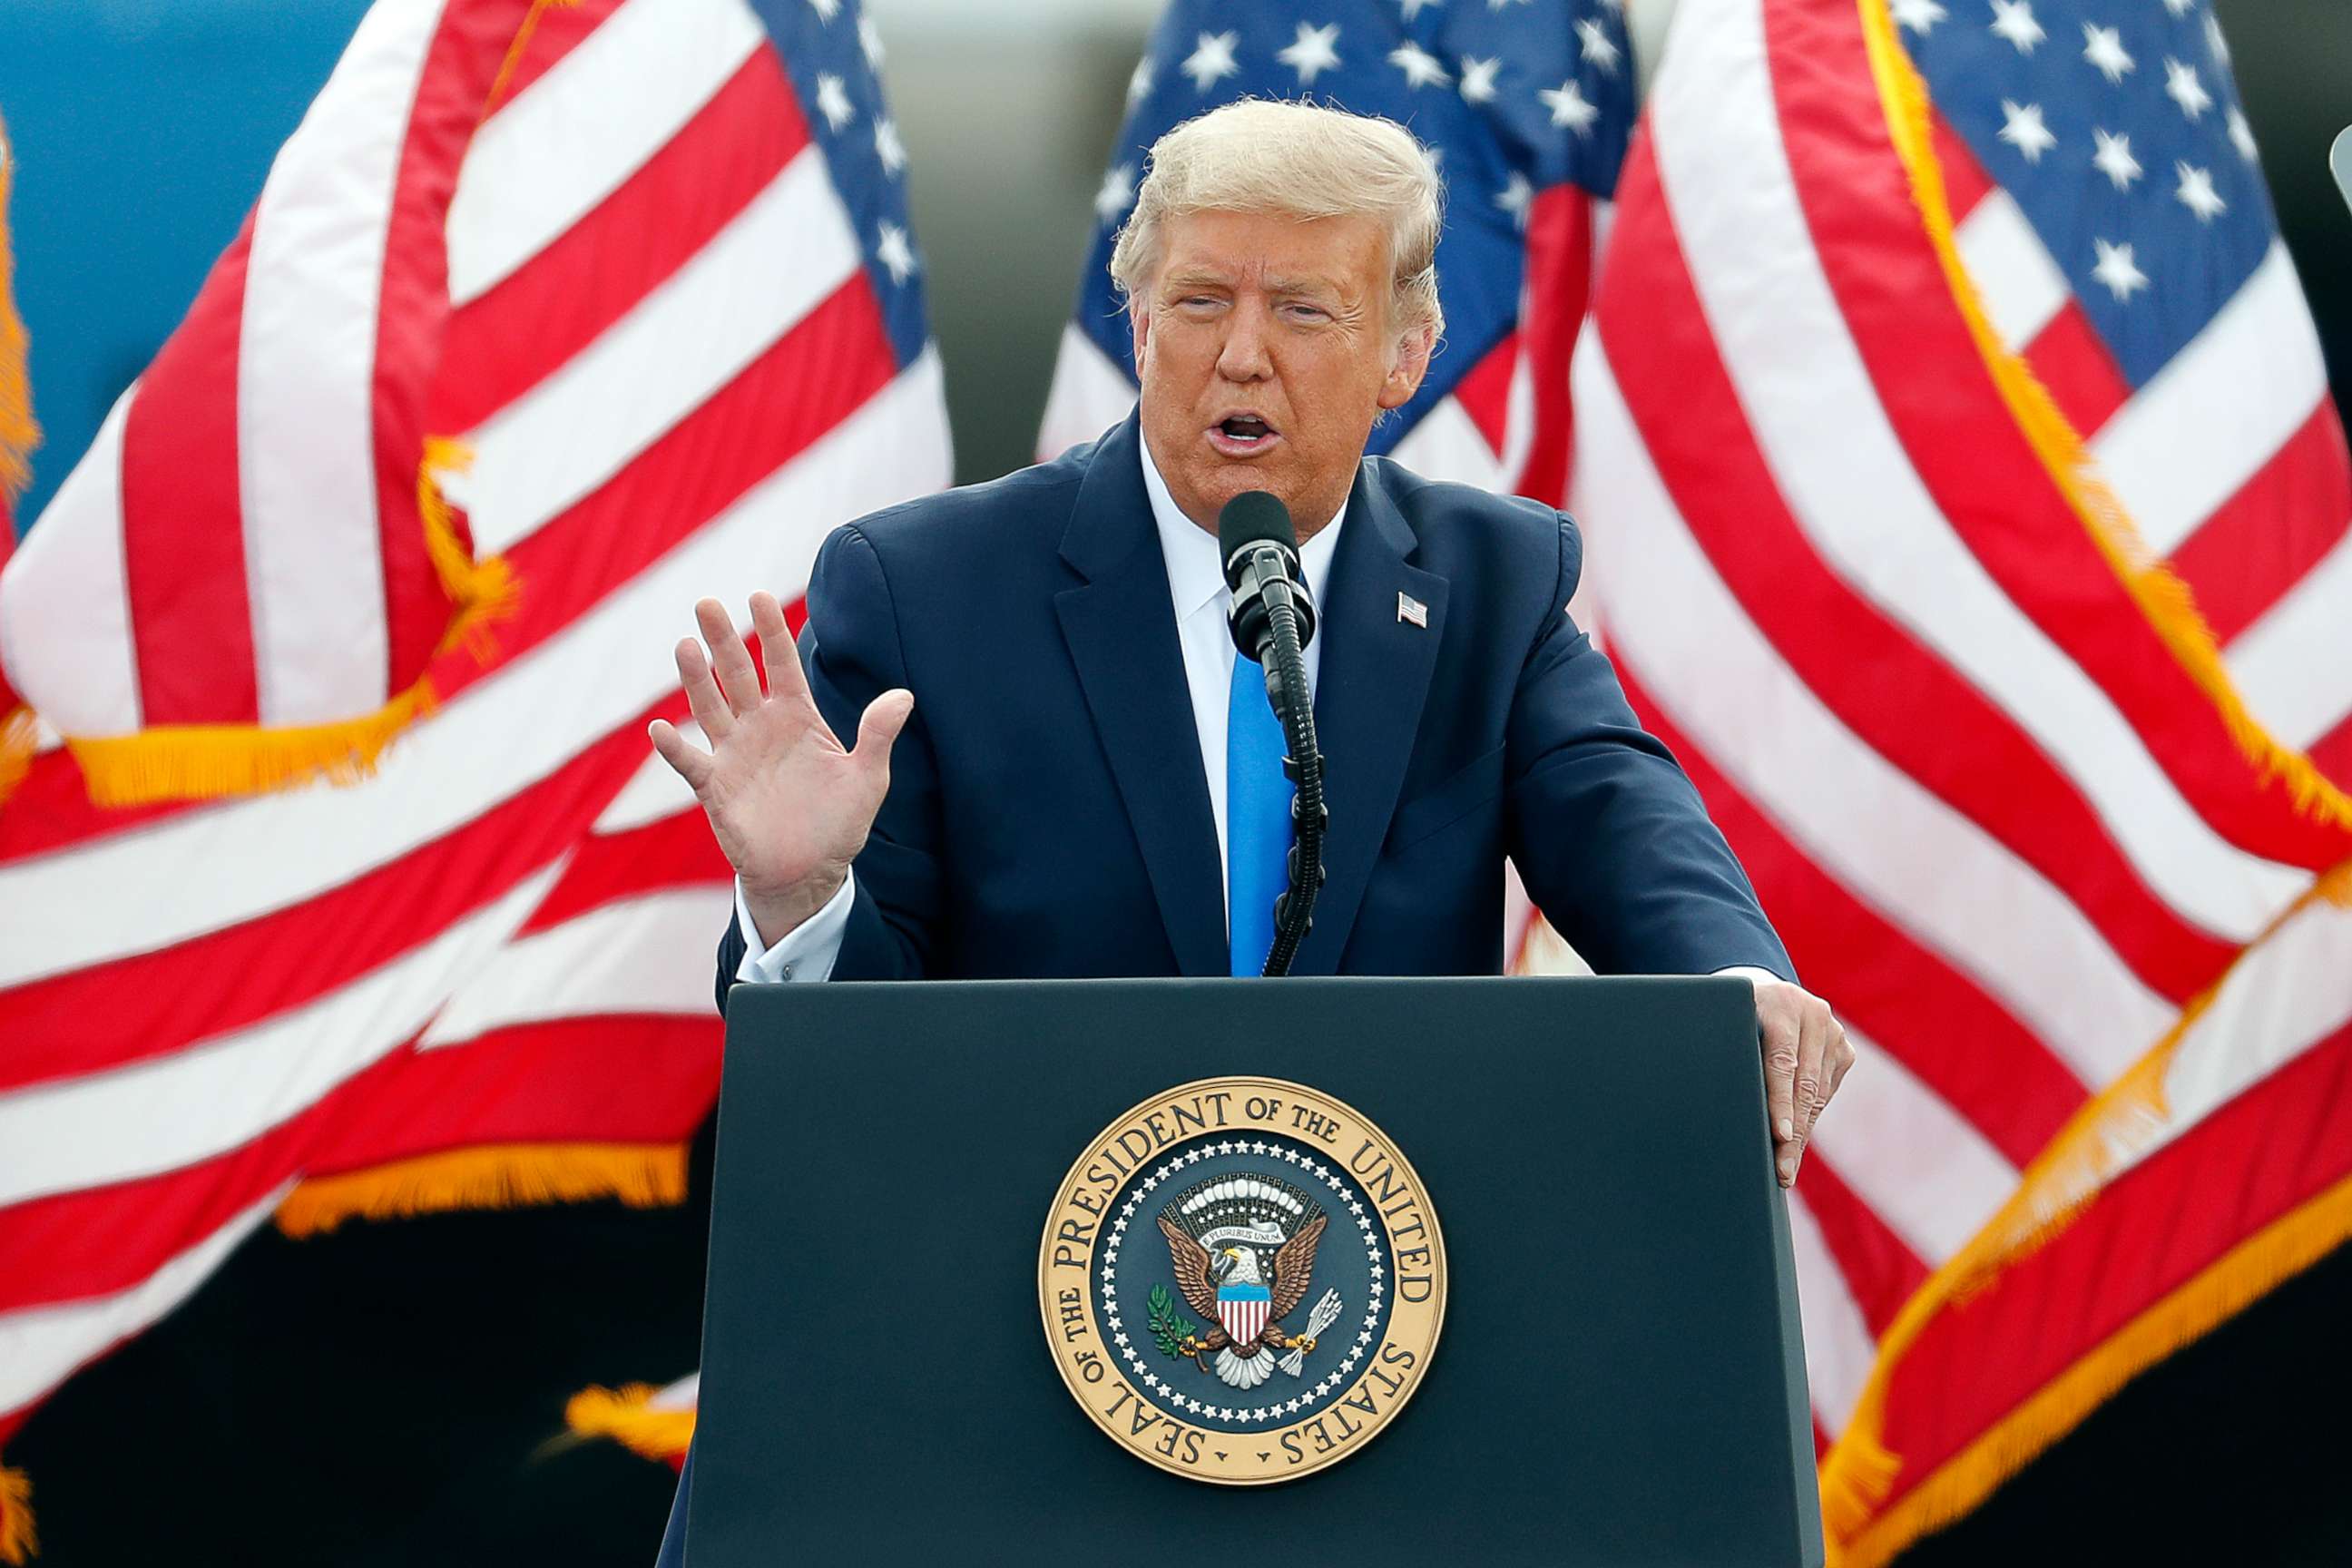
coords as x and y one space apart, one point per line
1242 1281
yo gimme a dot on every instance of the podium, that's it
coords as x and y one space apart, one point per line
899 1367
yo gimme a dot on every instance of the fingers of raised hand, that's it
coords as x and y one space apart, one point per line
777 655
691 762
733 665
710 710
878 728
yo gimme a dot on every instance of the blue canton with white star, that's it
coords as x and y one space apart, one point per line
1514 97
2116 126
832 53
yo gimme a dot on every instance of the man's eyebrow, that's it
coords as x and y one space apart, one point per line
1197 278
1206 277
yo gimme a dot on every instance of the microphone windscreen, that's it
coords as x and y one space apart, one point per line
1254 517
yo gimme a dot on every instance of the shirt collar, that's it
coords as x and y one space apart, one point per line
1195 575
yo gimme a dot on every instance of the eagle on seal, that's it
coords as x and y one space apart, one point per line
1244 1308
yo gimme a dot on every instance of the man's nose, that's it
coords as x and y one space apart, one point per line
1244 356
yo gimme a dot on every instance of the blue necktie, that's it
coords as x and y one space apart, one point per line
1258 816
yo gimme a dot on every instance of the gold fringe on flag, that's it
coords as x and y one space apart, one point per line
16 743
492 1176
18 432
192 762
627 1415
17 1540
19 435
514 51
2162 597
482 591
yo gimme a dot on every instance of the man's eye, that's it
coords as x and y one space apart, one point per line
1310 314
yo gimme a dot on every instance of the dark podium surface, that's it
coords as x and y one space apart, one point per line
1620 1377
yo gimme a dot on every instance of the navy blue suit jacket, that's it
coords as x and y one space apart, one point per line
1047 814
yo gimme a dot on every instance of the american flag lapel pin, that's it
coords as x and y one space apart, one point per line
1411 610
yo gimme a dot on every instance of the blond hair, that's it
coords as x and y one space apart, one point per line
1308 162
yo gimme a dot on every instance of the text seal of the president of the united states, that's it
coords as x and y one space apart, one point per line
1242 1281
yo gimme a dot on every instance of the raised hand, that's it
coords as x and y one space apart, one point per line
789 807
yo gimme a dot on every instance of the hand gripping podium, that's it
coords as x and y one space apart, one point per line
1339 1270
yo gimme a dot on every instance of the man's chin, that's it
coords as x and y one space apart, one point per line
1222 482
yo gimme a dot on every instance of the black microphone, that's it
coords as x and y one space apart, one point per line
1271 620
1261 554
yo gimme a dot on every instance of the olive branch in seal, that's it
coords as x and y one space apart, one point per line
1169 1327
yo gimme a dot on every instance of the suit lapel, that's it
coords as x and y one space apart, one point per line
1369 694
1121 634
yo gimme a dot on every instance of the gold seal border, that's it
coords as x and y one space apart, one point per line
1050 1310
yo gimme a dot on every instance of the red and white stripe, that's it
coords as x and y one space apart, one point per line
2001 827
676 379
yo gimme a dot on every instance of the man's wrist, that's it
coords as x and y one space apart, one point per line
778 914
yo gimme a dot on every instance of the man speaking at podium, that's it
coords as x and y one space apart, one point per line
1093 783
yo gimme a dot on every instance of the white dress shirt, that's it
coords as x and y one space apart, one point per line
1199 598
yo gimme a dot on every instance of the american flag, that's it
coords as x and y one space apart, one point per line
1526 109
689 338
1944 347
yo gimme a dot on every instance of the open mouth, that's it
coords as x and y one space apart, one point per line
1242 432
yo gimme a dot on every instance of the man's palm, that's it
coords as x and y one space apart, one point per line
789 807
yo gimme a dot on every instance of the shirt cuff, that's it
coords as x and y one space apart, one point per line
1745 971
807 951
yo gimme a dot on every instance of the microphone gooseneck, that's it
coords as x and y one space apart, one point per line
1273 620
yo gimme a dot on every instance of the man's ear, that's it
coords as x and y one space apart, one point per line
1412 363
1138 320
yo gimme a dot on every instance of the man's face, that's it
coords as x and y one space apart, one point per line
1266 349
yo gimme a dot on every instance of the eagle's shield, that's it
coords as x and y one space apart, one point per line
1241 1309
